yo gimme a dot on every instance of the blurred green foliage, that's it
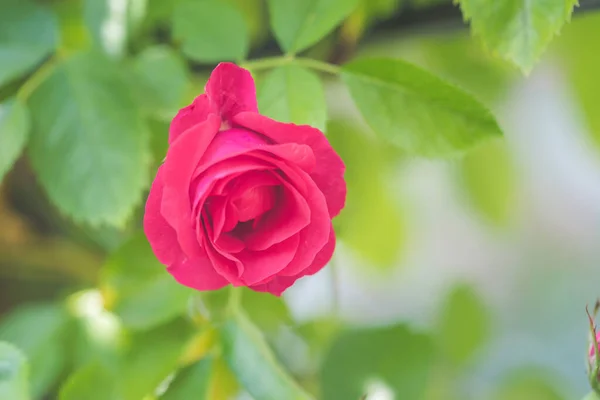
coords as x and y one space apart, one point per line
13 376
87 89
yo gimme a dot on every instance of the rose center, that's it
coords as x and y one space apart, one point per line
251 206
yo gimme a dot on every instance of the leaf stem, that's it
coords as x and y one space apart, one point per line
318 65
280 61
36 79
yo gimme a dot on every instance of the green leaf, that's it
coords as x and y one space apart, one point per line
162 80
28 33
300 24
579 55
210 31
255 304
153 356
517 30
256 18
14 130
89 145
191 382
253 363
489 178
38 330
371 223
144 293
461 60
464 325
396 355
293 94
97 334
92 382
14 372
415 110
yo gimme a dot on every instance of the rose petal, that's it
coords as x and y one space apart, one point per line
259 265
288 217
232 90
280 283
219 175
224 263
329 170
160 234
197 274
179 167
190 116
229 244
234 142
252 194
314 235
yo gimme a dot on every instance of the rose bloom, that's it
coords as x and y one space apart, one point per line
242 199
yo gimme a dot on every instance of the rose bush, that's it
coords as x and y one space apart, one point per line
242 199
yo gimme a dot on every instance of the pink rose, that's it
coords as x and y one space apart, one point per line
241 199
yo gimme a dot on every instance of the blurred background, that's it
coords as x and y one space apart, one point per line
453 279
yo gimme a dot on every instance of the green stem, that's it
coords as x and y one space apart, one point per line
36 79
235 299
280 61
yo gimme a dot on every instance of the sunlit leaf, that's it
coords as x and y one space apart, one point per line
223 383
415 110
464 325
300 24
253 363
89 145
396 355
517 30
488 177
144 293
460 59
14 130
210 31
371 223
14 372
578 46
293 94
28 33
92 382
39 331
